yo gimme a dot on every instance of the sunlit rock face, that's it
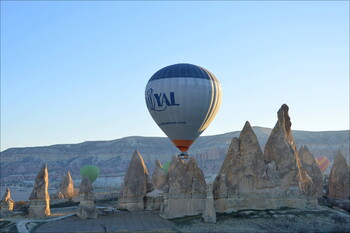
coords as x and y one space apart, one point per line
6 202
185 192
308 163
249 178
137 183
67 186
39 200
159 178
339 183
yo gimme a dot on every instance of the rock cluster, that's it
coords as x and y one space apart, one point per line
251 179
66 189
6 202
185 192
86 208
137 183
39 200
339 179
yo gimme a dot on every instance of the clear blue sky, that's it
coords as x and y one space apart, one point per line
76 71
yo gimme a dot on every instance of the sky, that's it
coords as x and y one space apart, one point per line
77 71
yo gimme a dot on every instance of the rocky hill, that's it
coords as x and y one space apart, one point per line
113 157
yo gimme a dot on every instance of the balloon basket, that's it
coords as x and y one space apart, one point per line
183 156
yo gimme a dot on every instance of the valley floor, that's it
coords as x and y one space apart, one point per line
323 219
320 219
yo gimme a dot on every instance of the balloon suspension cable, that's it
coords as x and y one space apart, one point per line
183 156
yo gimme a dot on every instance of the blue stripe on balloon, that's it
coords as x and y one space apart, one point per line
181 70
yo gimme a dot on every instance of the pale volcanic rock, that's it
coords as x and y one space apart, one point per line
280 148
244 170
249 179
339 183
309 164
185 192
85 186
220 187
39 200
209 214
67 187
159 178
86 208
6 202
154 200
137 183
7 196
251 165
59 195
243 173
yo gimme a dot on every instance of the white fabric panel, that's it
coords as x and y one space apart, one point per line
183 107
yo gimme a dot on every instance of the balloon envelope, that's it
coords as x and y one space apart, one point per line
322 162
166 167
90 171
183 99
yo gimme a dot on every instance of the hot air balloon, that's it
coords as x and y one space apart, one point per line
183 100
166 167
322 162
90 171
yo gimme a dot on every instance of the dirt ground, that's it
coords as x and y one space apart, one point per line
271 221
322 219
114 222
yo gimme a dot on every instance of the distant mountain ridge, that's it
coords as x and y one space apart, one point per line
21 164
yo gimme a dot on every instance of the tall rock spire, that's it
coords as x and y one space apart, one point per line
39 198
280 149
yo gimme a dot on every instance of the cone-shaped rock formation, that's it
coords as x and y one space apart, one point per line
85 186
159 178
39 198
280 149
137 183
185 192
249 179
339 183
243 170
86 208
67 186
308 162
7 196
6 202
